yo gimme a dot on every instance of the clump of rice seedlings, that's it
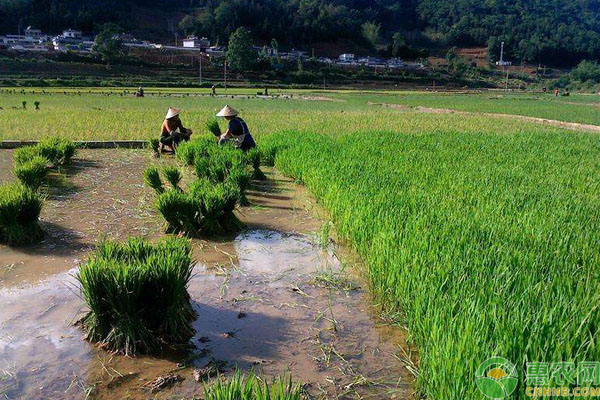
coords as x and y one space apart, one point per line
25 154
31 173
154 144
152 179
137 295
58 151
252 387
253 157
37 105
172 175
199 147
20 209
213 127
182 212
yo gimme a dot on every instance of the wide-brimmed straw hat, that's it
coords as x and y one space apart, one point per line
227 112
172 112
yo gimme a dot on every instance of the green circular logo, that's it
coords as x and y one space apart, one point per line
497 378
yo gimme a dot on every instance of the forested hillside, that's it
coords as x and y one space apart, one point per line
548 31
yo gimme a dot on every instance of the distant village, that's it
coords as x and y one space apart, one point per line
35 41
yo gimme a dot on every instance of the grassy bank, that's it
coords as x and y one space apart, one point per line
483 242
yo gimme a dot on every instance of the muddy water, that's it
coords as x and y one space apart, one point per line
267 298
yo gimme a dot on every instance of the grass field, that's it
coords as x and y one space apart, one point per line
97 115
480 233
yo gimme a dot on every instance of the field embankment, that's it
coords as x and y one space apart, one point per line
483 242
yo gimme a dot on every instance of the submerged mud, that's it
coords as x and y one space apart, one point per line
268 298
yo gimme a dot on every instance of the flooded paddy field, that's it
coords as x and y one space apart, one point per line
271 298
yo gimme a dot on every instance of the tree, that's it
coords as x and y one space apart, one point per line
241 55
398 44
456 65
370 31
108 44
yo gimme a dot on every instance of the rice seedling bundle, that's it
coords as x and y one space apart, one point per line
137 295
213 127
482 243
152 179
252 387
20 209
31 173
56 150
172 175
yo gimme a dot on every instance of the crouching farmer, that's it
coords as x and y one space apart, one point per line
237 130
172 131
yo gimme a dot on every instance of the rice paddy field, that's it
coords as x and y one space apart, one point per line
479 234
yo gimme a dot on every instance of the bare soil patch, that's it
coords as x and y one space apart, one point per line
267 298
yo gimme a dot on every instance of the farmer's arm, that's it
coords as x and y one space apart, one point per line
225 136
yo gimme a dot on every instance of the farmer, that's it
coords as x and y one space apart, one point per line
172 130
237 130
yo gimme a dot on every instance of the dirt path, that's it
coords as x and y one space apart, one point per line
268 298
561 124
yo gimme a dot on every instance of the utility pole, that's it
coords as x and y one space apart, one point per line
502 53
200 68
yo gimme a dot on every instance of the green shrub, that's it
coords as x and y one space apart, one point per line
137 295
32 172
20 209
251 387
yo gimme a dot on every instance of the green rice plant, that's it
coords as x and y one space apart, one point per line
199 147
25 154
481 242
152 179
58 151
253 157
217 202
20 209
252 387
172 175
213 127
182 212
137 295
154 145
32 172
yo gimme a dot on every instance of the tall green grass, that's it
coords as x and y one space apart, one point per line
252 387
20 209
482 243
137 295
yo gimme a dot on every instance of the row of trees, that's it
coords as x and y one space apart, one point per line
548 31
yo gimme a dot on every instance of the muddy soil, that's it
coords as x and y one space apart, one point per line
269 298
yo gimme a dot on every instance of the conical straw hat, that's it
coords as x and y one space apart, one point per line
227 112
172 112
